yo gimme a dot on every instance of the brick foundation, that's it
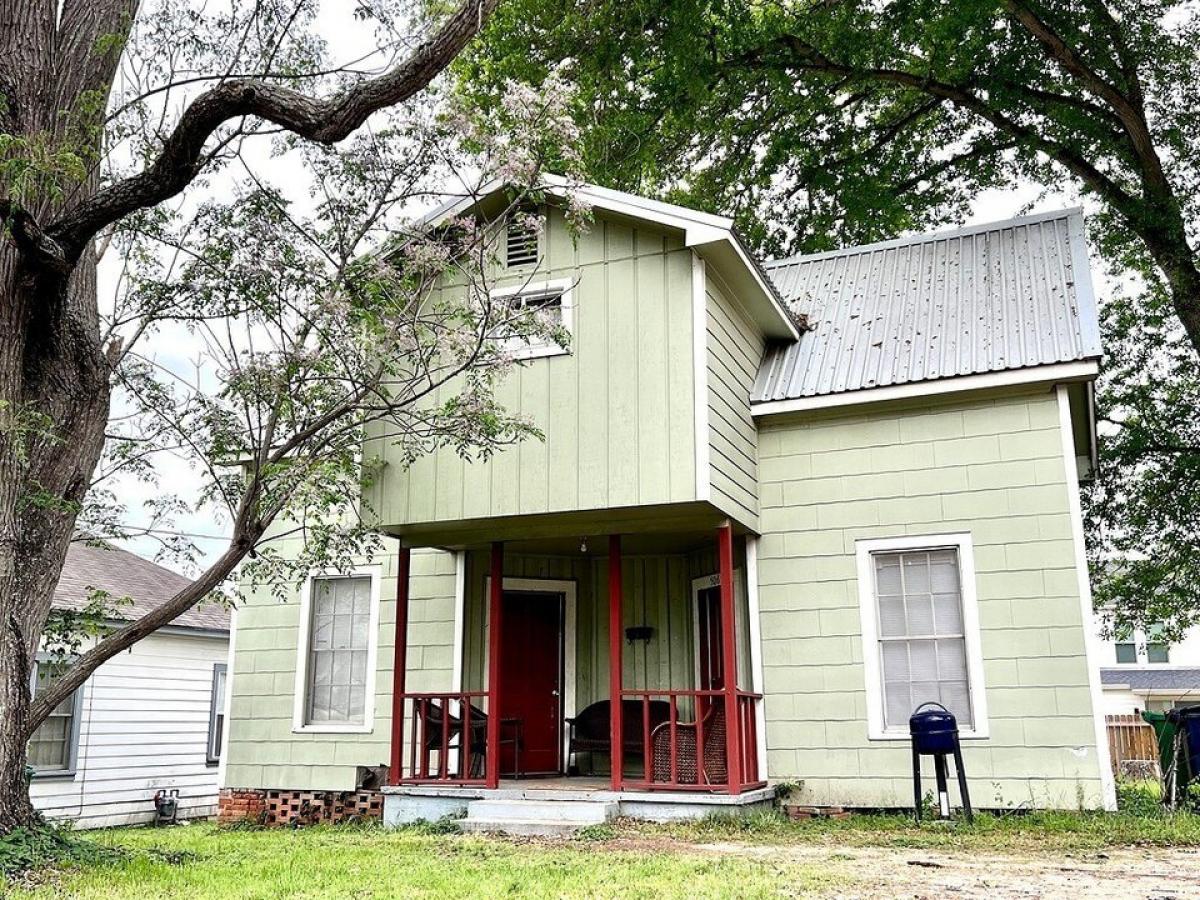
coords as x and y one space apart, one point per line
297 807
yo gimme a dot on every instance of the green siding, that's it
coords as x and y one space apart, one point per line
264 752
735 350
618 411
656 592
993 467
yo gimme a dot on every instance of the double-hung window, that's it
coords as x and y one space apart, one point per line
340 619
920 629
53 747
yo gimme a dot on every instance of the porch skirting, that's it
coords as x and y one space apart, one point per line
403 804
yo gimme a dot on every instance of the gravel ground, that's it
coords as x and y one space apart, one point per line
1117 874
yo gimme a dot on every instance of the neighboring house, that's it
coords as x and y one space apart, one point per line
1141 671
778 506
149 719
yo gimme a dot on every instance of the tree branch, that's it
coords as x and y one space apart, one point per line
325 121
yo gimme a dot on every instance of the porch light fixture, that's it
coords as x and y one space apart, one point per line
583 546
641 633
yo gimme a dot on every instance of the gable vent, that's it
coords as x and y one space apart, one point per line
521 243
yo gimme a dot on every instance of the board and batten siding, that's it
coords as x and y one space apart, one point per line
656 591
263 749
992 467
735 350
143 728
617 411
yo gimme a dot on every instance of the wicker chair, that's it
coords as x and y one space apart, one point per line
715 769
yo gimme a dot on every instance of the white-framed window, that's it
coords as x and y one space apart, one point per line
337 652
551 300
54 747
1142 647
920 628
216 714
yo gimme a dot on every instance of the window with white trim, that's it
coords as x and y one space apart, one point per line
54 744
216 714
550 302
920 631
339 645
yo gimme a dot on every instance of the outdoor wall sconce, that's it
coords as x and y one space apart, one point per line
641 633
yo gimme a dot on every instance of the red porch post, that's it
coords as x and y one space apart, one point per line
495 601
614 659
399 664
733 750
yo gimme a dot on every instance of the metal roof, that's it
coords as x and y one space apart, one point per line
995 297
124 574
1139 679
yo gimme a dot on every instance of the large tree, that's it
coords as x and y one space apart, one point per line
821 123
307 318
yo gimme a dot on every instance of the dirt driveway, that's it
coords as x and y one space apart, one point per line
1115 874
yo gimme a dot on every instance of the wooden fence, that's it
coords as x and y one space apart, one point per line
1132 746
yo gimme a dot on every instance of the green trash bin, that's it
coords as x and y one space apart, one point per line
1164 732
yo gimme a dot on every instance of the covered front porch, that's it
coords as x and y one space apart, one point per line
548 630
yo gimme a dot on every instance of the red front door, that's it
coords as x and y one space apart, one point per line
531 648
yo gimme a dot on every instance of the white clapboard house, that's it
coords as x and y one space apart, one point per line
150 719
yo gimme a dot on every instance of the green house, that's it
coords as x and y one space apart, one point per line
778 506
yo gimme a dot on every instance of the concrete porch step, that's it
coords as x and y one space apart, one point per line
554 818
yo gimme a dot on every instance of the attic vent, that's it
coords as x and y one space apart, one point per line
521 240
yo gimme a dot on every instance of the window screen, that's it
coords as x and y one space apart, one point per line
337 654
922 647
52 747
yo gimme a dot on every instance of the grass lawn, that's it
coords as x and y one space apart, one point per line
203 861
705 859
1041 831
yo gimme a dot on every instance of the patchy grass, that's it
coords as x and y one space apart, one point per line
626 859
1017 832
204 861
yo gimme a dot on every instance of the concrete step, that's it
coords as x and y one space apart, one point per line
579 812
521 827
547 818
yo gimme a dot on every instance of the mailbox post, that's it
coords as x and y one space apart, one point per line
934 732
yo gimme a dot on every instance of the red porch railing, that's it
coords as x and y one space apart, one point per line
447 739
687 744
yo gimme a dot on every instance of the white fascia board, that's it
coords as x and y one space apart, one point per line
1057 373
699 228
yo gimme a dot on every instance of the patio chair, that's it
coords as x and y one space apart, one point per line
710 767
591 730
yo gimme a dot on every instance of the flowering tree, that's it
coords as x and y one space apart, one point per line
263 319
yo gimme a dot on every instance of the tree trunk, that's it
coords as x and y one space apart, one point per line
54 403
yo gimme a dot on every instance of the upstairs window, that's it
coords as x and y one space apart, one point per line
1149 646
521 239
551 302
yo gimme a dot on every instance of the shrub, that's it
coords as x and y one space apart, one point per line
1139 798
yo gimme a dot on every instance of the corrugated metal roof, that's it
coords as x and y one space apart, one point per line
124 574
1000 296
1154 679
